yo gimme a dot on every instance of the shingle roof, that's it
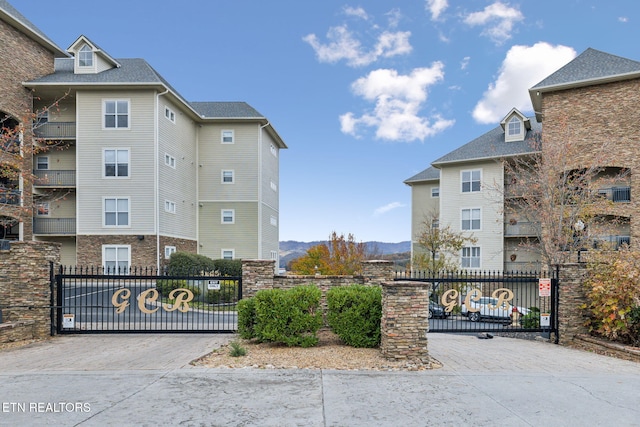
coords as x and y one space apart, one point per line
429 174
591 64
23 22
227 110
492 145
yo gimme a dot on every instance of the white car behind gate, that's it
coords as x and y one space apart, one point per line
488 308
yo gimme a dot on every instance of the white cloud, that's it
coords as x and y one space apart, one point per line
623 19
398 101
465 62
389 207
358 12
498 19
436 7
522 68
343 45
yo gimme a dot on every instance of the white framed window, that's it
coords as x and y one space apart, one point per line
42 117
42 163
274 150
274 255
116 163
471 219
85 56
168 250
169 160
227 253
435 192
228 216
227 177
116 259
471 180
169 206
116 212
116 114
169 114
514 127
435 223
470 257
227 137
42 209
274 186
274 221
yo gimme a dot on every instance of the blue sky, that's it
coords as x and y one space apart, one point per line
364 94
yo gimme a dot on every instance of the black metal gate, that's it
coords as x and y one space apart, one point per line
474 301
92 300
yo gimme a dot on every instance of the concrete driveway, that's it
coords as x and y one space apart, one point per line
137 380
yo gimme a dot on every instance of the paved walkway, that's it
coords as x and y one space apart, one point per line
134 380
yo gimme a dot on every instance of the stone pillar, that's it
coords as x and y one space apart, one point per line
25 289
571 318
256 274
405 321
376 272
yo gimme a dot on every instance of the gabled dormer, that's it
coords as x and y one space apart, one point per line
89 58
515 126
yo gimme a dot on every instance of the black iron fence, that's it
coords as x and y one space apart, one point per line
94 300
478 301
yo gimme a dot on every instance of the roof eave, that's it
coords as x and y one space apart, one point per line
437 164
48 44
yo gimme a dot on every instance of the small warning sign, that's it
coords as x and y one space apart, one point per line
68 321
545 320
544 287
213 285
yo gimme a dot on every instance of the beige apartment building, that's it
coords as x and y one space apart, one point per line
132 171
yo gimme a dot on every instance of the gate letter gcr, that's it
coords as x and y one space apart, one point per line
181 297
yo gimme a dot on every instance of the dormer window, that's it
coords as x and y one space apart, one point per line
515 127
85 56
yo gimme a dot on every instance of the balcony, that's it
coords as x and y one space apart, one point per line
616 194
610 241
55 130
54 178
66 226
10 197
521 229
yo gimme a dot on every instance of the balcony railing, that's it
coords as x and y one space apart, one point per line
611 241
54 178
54 225
55 130
521 228
616 194
10 197
522 266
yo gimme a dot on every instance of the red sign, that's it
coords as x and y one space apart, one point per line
544 287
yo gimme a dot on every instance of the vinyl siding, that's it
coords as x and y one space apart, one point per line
63 111
179 140
270 232
270 171
489 200
240 236
62 208
422 205
92 139
60 159
241 156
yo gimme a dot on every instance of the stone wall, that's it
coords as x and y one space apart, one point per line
25 293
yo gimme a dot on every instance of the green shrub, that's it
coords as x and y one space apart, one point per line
237 350
291 317
247 318
165 286
228 293
532 319
186 263
354 314
228 267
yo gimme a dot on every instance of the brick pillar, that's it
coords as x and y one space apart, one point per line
256 274
376 272
571 318
405 321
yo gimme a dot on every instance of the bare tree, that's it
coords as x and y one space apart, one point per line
564 195
438 244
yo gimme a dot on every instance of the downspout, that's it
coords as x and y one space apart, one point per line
156 177
260 190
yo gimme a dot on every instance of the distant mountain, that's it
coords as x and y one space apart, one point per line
291 249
